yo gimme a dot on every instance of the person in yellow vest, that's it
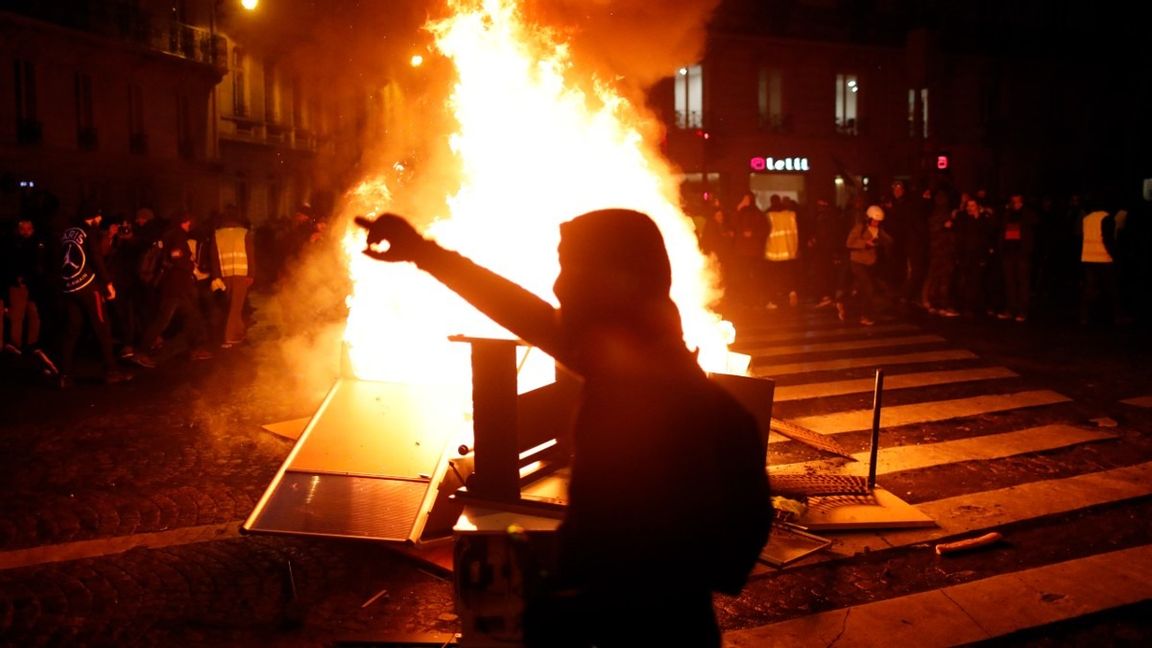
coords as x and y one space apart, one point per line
781 251
233 270
1098 284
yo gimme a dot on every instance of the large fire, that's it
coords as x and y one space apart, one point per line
534 149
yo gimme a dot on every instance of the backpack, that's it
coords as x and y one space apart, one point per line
152 265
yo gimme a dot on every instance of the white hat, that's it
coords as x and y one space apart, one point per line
875 213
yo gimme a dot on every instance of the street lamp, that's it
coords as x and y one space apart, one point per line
250 5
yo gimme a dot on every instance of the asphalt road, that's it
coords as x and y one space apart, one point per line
122 502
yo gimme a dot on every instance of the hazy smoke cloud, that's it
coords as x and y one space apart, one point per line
636 41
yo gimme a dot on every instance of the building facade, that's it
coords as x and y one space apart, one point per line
823 99
119 105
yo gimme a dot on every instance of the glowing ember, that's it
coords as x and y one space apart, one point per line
533 150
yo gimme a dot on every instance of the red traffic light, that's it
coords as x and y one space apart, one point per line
942 161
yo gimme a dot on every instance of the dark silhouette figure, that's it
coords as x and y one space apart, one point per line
668 499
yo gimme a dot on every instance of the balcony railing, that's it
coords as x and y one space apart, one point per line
125 22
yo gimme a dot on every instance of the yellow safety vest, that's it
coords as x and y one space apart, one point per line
1093 250
233 253
784 241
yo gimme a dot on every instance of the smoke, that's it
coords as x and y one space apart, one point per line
635 42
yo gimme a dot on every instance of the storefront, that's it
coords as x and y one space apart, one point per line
787 177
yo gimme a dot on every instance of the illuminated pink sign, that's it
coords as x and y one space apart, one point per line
779 164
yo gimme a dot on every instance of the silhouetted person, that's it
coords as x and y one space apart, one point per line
87 288
668 499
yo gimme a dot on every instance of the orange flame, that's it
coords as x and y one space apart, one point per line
534 150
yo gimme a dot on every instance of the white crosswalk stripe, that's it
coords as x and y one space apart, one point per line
956 392
773 371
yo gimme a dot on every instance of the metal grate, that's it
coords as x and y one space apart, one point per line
811 484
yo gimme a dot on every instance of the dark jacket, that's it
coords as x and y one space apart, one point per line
179 263
81 261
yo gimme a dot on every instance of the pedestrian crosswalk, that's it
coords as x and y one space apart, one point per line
1139 401
954 409
767 370
899 381
942 410
971 612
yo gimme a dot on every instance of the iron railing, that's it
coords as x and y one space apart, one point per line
127 23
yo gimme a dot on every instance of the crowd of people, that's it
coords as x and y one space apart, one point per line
950 253
142 289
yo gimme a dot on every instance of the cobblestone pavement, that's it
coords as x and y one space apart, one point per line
121 503
171 458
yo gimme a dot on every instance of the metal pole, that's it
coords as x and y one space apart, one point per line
876 394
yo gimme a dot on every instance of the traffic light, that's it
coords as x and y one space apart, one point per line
943 161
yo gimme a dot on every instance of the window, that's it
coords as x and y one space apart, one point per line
28 130
85 117
917 112
847 89
924 109
689 97
771 99
239 84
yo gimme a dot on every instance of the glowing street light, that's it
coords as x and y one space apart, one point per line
416 60
250 5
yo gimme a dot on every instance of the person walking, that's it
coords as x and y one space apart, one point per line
233 270
25 259
936 295
177 298
1017 233
751 236
87 288
781 252
1099 297
864 242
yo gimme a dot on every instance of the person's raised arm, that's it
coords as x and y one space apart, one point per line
507 303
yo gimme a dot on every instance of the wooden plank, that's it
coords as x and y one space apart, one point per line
898 381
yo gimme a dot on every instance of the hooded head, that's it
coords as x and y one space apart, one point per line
89 215
615 273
